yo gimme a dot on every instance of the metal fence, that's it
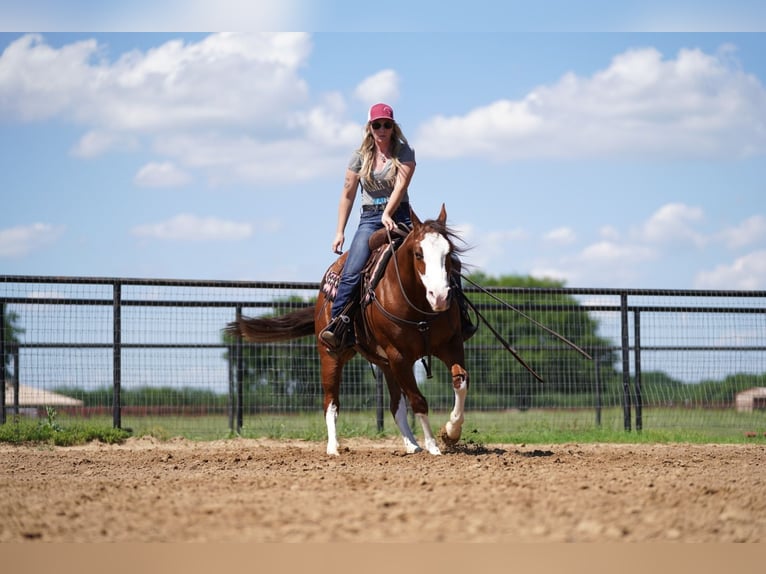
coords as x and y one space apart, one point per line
147 350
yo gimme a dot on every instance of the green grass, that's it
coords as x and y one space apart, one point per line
482 427
50 431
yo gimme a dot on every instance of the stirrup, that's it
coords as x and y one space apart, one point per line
335 334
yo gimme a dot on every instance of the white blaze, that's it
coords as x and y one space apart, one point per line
435 249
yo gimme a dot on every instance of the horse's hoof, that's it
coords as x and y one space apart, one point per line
447 440
411 448
432 448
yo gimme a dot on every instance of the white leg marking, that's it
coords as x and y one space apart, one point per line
410 443
331 416
454 426
430 439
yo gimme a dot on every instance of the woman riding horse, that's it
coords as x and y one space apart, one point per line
384 165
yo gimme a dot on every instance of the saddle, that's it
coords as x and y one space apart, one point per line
381 251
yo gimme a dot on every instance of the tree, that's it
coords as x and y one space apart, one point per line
11 332
565 371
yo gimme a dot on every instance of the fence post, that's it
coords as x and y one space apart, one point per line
240 378
117 355
232 378
637 360
598 389
625 361
14 351
2 363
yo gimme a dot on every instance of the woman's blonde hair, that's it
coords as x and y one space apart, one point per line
367 152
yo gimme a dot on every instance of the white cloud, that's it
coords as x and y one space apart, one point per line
641 105
607 253
750 231
188 227
243 158
489 248
233 106
22 240
95 143
605 262
165 174
610 233
222 80
674 222
561 235
380 87
747 272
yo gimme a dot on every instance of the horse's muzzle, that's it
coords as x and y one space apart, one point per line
440 301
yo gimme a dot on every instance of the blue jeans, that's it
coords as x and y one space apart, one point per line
359 253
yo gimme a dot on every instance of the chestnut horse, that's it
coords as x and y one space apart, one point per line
410 314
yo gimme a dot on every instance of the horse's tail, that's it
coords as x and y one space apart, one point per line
281 328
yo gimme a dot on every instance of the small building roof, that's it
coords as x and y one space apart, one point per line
754 392
36 397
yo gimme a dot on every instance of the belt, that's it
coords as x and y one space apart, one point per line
382 206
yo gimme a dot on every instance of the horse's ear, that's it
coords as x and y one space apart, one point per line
442 216
414 218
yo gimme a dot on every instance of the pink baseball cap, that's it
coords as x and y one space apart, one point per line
379 111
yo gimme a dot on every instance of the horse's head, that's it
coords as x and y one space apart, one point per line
432 248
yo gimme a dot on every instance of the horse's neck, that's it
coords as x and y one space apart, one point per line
404 277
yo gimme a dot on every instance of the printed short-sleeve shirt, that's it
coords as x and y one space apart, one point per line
380 189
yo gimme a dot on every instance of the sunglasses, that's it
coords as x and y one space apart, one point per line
378 125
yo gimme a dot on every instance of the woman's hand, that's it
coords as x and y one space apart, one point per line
387 222
337 244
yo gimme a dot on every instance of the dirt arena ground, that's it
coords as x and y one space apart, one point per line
290 491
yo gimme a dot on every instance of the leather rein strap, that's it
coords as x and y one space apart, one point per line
423 326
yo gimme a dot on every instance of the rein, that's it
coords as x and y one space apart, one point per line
548 330
505 343
423 326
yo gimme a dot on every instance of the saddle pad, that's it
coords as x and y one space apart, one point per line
330 285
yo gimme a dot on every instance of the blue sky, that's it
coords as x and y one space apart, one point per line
632 156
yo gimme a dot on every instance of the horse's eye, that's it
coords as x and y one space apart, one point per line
419 255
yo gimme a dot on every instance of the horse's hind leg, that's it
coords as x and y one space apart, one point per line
400 416
331 374
331 418
399 412
454 427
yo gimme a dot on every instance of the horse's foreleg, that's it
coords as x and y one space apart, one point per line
454 427
429 438
331 418
420 407
410 442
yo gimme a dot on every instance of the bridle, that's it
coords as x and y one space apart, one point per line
424 326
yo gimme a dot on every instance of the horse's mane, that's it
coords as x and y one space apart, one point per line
457 244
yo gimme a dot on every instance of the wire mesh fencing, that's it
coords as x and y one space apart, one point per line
152 353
